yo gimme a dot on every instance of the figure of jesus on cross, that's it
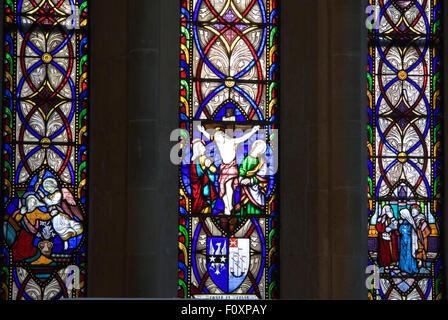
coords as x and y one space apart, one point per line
228 173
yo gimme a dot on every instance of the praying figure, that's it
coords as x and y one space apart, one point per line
228 171
408 243
63 221
202 174
388 234
253 186
29 216
423 231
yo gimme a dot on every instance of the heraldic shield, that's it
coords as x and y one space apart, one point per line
228 262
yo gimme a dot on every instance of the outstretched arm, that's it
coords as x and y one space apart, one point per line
202 130
247 135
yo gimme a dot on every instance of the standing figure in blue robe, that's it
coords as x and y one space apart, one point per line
407 262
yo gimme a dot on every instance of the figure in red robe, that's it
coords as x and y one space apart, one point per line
23 248
387 227
202 175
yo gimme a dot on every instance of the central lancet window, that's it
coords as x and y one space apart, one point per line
228 208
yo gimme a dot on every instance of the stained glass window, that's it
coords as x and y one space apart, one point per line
229 95
44 149
405 149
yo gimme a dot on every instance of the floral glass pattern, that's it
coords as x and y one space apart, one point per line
405 149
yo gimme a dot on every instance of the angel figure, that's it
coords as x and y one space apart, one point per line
62 207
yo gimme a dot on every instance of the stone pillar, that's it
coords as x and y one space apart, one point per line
152 105
108 149
348 164
133 185
300 254
323 221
